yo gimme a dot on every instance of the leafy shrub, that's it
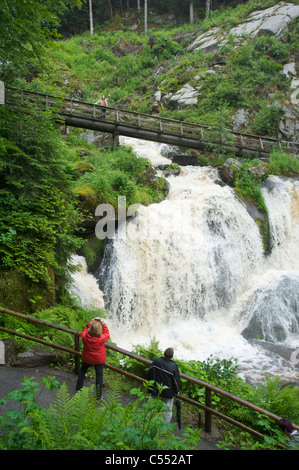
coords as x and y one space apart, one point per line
117 173
38 214
246 186
227 93
283 164
266 120
79 423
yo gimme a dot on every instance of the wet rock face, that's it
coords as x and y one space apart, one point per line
273 21
36 356
184 97
273 310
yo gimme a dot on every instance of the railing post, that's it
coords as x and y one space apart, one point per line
2 93
208 403
77 357
160 125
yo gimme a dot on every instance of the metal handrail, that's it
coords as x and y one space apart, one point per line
208 387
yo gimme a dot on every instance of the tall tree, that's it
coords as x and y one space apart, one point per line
90 17
26 28
110 7
145 17
208 7
191 12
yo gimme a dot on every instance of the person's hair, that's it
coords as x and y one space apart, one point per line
168 353
286 425
96 329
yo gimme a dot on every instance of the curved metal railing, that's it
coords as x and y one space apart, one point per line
209 388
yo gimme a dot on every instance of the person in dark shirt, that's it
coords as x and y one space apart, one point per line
165 371
287 427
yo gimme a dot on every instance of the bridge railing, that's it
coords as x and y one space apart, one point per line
209 388
93 112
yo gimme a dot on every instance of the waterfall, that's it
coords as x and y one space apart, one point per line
190 255
191 272
84 286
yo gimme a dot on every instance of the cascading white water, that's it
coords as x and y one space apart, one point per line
191 271
187 257
84 285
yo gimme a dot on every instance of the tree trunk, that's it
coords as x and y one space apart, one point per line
90 17
110 6
191 13
208 7
138 5
145 17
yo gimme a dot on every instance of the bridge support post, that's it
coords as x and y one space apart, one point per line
115 139
208 417
2 94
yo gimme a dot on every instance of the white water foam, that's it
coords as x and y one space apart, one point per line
84 286
189 267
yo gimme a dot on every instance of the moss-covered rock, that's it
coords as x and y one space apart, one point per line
229 170
83 167
87 204
22 295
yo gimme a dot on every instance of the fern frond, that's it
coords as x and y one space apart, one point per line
111 396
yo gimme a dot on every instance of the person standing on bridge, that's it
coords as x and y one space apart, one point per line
165 371
103 102
94 336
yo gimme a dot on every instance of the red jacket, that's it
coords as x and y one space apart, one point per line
94 351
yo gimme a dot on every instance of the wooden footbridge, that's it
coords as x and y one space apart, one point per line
118 122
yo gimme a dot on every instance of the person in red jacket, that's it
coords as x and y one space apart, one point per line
94 336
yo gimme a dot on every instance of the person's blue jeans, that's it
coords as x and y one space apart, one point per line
99 377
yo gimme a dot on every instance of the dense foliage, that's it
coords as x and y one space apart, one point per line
77 422
38 214
26 28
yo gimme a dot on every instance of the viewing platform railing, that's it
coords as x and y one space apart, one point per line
209 388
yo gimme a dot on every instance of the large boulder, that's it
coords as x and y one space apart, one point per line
289 123
34 357
207 41
186 96
273 20
229 170
271 313
21 294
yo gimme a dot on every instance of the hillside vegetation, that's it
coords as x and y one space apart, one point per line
241 73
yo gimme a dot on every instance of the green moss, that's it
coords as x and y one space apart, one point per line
263 226
19 294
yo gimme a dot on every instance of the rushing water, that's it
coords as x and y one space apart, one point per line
191 273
